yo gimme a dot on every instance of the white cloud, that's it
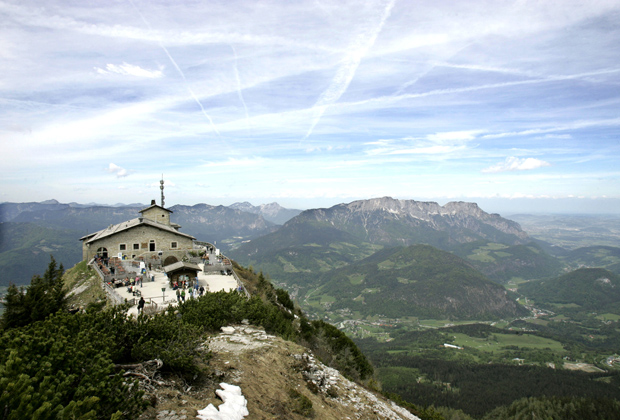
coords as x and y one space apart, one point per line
452 136
126 69
115 169
516 164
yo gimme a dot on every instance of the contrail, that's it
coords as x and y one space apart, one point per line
189 89
346 72
424 73
239 93
546 79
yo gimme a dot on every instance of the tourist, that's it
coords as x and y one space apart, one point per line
178 295
183 295
140 304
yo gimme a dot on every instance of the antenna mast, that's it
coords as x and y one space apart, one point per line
161 187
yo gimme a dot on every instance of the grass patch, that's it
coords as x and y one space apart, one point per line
609 317
357 278
386 265
502 254
496 342
300 403
494 246
483 257
538 321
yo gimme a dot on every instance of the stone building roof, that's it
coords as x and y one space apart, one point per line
130 224
181 266
155 205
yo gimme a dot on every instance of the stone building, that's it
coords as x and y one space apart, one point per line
151 237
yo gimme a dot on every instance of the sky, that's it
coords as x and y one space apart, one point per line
514 105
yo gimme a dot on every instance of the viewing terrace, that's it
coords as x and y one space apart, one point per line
216 273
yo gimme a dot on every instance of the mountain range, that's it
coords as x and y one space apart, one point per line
314 250
272 212
320 240
30 232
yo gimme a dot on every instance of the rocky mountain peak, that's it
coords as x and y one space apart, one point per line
387 220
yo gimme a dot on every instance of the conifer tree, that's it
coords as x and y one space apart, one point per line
43 297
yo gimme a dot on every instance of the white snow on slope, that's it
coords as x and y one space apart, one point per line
234 407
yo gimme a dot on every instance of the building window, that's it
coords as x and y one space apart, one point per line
122 247
173 245
136 246
152 245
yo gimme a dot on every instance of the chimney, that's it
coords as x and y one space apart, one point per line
152 202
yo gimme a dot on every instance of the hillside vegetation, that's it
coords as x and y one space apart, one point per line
502 263
607 257
420 281
594 289
25 250
62 365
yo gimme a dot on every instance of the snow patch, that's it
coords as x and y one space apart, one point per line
234 407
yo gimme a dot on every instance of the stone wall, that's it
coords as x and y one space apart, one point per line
141 235
157 214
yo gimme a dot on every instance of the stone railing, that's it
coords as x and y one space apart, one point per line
114 297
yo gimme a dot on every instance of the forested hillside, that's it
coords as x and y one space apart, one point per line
502 263
25 250
594 289
420 281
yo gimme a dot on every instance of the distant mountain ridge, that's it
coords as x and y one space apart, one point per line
272 212
58 223
310 248
405 222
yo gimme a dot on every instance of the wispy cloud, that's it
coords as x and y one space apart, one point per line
454 136
129 70
440 143
346 71
576 125
408 101
516 164
176 66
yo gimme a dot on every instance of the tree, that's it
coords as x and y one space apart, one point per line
43 297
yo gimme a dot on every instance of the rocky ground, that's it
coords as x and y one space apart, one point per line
279 379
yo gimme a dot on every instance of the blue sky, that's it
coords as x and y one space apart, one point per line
514 105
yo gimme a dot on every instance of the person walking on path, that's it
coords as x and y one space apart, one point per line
141 304
178 295
183 295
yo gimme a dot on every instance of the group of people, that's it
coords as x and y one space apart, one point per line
190 292
127 282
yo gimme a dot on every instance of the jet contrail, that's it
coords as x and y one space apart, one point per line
346 72
239 93
189 89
